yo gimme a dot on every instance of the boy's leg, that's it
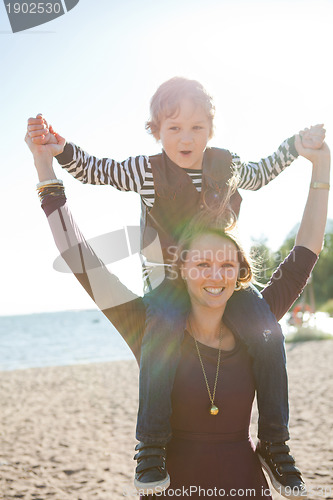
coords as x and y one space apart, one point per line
166 311
265 342
270 373
250 317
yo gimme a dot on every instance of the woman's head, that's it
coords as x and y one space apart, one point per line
211 262
169 97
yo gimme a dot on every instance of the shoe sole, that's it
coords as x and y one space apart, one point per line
150 488
278 486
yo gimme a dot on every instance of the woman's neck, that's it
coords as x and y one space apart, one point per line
205 324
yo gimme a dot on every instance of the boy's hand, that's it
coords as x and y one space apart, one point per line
41 134
313 137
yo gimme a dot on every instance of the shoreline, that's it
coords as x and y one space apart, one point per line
67 365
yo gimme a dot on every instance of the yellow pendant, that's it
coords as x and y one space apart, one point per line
213 410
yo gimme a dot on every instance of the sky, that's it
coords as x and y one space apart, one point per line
92 73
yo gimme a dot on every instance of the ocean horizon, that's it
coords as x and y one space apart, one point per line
76 337
59 339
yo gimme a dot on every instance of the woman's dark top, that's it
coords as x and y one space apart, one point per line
214 453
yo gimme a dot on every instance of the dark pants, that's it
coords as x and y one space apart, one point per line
249 317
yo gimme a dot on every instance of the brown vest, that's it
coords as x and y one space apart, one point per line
177 199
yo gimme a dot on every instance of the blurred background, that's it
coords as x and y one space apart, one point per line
92 73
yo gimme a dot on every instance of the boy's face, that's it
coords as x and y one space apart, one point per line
184 137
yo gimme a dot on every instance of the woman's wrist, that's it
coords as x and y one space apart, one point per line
321 171
44 168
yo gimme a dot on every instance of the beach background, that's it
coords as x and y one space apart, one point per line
69 396
68 382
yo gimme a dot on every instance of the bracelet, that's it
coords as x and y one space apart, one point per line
319 185
48 183
52 188
51 194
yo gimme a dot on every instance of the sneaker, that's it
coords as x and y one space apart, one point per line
285 477
151 475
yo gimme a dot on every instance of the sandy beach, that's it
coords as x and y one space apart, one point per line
67 433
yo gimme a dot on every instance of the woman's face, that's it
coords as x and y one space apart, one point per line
211 269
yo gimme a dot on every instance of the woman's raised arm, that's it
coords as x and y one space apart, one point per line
312 228
121 306
290 278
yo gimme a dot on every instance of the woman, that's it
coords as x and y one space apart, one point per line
210 453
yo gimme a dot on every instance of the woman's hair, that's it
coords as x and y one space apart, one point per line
165 103
206 223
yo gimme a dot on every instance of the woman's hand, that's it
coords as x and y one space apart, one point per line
43 156
41 134
313 137
54 147
313 155
309 140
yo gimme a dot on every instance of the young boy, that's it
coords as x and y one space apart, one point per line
174 185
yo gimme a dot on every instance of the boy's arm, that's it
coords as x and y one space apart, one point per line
254 175
128 175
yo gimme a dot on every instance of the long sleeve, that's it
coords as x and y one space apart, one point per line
135 173
128 175
255 175
121 306
289 280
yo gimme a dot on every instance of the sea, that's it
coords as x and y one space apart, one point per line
75 337
58 339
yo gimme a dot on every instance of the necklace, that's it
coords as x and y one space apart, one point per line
213 410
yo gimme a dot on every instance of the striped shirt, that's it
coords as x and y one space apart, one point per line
135 173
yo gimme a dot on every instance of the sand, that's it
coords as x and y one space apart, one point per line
68 432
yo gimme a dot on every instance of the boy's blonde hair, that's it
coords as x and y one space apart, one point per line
165 103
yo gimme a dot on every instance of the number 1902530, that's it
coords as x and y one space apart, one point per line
34 8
